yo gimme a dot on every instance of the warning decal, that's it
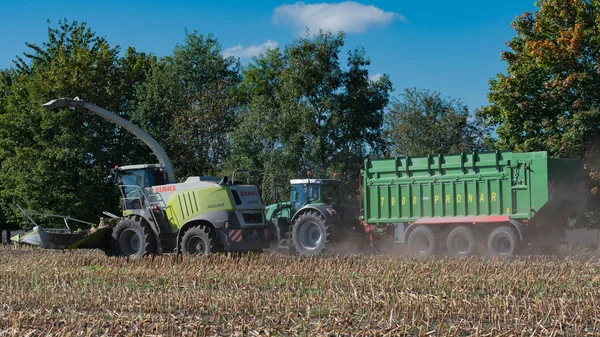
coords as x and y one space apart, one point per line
235 235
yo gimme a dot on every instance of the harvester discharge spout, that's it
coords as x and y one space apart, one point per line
158 151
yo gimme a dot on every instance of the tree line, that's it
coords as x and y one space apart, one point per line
306 106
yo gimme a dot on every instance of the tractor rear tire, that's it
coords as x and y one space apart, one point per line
503 242
310 234
422 241
199 240
461 242
133 238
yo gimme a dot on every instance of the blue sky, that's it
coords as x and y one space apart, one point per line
449 46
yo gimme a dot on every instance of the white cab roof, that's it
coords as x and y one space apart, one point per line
314 181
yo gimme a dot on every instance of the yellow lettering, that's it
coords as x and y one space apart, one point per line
435 199
493 196
403 200
508 211
470 197
382 199
481 198
393 201
458 198
447 198
415 200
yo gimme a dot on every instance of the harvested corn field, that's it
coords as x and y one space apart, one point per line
88 294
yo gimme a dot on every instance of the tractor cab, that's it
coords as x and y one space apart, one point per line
315 192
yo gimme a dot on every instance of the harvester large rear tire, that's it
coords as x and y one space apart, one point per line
503 241
133 238
310 234
461 242
199 240
422 241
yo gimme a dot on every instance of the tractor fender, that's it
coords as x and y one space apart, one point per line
326 211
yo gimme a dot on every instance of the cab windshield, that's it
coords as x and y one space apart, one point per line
146 177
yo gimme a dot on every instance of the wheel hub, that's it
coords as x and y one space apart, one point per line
196 246
502 245
460 244
130 242
422 244
310 235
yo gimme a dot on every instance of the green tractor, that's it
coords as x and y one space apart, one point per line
314 219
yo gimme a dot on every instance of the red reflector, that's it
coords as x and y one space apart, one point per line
155 208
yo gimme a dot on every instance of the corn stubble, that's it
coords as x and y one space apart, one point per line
84 293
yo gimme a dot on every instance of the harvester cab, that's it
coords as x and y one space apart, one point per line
135 182
311 217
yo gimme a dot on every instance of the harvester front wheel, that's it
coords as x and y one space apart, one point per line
310 234
461 242
503 241
199 240
422 241
132 238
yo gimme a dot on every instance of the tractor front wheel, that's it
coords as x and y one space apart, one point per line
310 234
199 240
132 238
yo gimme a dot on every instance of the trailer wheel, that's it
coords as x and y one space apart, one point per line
310 234
199 240
421 241
503 241
461 242
132 238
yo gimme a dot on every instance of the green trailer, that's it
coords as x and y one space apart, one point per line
496 203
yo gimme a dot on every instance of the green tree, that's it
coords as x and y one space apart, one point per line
265 140
188 104
59 161
422 123
307 112
550 96
6 88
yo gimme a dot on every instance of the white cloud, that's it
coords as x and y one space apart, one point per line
247 52
375 77
349 16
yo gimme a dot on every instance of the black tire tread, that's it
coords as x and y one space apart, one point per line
423 229
507 230
295 241
470 235
148 246
210 239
